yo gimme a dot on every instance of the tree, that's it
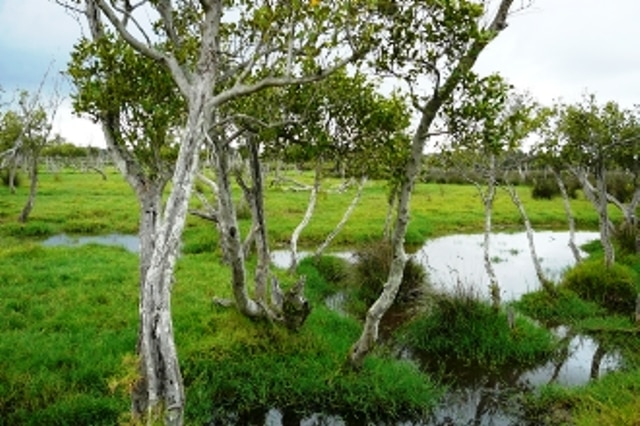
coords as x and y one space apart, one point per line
592 134
24 133
210 49
428 41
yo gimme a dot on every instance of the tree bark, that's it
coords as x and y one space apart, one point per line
570 216
343 221
33 188
306 219
547 284
487 198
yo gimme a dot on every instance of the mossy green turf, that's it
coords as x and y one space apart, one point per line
69 332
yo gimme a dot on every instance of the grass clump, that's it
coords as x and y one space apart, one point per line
372 269
468 330
565 307
613 288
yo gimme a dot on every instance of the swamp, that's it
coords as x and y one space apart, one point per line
69 301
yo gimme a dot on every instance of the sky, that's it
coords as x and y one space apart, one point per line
555 49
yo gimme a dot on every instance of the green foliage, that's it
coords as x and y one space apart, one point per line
614 288
464 329
626 237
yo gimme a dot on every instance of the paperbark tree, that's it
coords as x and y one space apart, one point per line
592 134
439 41
210 49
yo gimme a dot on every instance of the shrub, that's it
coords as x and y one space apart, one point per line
620 186
612 288
565 307
544 188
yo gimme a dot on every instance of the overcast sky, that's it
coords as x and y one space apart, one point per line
556 49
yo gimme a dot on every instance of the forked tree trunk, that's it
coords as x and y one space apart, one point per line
570 216
33 188
599 199
259 229
369 336
313 197
230 232
343 221
547 284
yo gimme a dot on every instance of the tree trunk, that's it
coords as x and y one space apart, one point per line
487 198
13 171
33 187
369 336
313 197
343 221
230 232
600 202
547 284
393 195
259 223
603 213
570 216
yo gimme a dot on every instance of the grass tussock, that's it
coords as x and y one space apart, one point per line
466 329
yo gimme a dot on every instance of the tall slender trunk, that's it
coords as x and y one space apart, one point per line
603 213
570 216
343 221
547 284
230 232
488 197
295 235
259 223
391 202
33 188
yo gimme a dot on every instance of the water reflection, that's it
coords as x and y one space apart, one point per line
129 242
458 259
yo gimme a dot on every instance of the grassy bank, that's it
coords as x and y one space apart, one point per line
83 203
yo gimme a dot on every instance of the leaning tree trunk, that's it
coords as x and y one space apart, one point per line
547 284
369 336
343 221
33 188
313 197
570 216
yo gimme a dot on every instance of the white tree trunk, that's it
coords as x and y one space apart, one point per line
313 197
547 285
570 216
343 221
487 199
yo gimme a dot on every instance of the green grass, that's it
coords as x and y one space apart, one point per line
70 314
466 330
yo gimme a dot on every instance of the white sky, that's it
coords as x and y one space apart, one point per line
556 49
